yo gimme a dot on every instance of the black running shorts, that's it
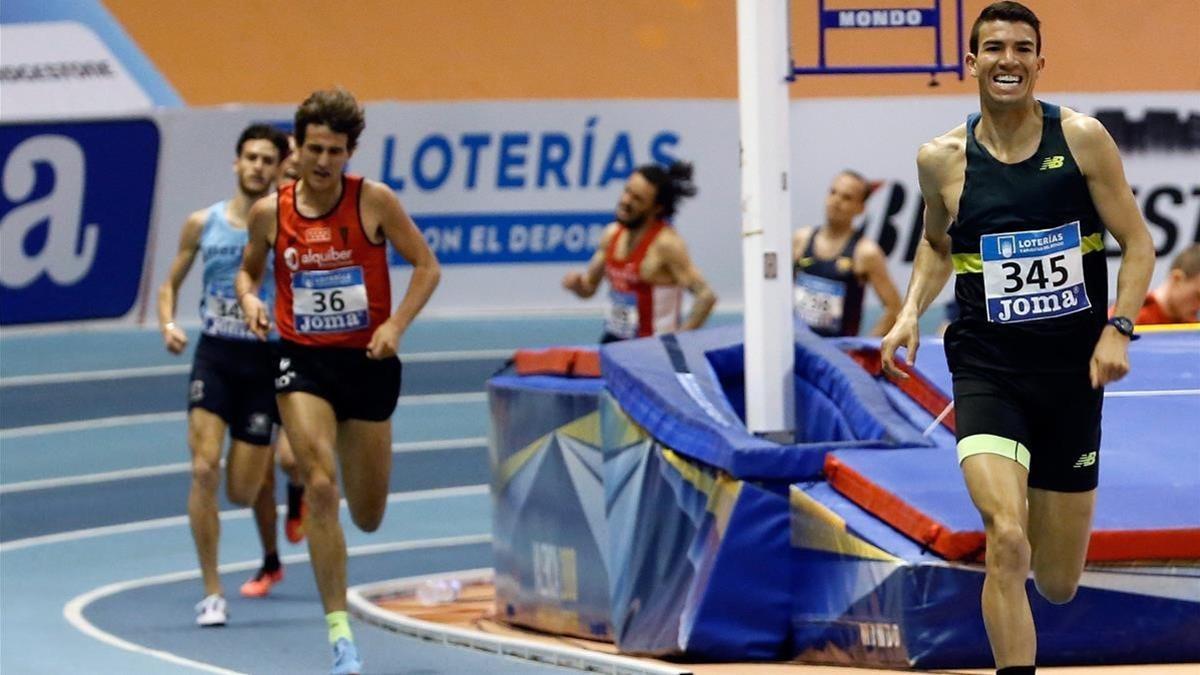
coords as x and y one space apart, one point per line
357 387
1048 422
234 380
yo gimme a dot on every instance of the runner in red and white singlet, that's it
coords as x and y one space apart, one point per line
333 281
338 376
638 308
646 261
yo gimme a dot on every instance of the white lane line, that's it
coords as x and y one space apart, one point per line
235 514
180 369
149 418
184 467
938 420
74 608
1151 392
444 444
93 375
95 423
361 603
464 355
73 613
103 477
438 399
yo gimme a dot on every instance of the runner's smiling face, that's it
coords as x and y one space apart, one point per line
1007 64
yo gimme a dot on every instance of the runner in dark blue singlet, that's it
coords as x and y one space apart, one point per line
833 264
1017 201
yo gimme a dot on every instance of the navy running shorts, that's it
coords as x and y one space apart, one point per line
234 380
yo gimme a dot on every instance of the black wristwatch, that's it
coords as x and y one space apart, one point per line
1124 326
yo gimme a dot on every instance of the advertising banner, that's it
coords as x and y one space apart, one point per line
74 223
70 58
513 195
879 138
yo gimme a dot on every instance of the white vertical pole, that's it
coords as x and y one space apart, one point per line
763 66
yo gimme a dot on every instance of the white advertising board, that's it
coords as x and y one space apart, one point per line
62 69
511 195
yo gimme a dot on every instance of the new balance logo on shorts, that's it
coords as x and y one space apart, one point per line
1085 460
196 391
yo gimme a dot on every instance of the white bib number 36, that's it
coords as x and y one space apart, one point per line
329 301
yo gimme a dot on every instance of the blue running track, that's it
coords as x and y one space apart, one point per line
97 569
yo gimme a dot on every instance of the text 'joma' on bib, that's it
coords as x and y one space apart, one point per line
221 313
1033 275
329 301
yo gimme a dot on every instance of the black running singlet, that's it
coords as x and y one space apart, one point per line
827 295
1028 250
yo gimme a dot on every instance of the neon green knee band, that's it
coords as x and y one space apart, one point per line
995 445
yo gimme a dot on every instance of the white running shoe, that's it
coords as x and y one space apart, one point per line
211 611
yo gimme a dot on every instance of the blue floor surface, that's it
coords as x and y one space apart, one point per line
52 560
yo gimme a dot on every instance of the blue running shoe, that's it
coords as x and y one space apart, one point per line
345 658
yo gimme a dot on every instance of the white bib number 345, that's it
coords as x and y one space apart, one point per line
222 315
1033 275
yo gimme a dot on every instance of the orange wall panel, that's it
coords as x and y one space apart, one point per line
271 51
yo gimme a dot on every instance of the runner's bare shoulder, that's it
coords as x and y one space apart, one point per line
943 149
264 207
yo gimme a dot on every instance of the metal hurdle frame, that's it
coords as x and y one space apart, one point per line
929 17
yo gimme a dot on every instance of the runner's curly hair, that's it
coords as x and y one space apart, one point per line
334 108
671 183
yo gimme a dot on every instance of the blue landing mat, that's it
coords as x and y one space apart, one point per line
1148 505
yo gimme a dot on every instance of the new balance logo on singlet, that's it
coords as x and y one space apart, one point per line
1054 162
1085 460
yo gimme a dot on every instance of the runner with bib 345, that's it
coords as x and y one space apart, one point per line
1017 201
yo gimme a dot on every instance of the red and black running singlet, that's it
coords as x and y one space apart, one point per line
331 281
638 308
